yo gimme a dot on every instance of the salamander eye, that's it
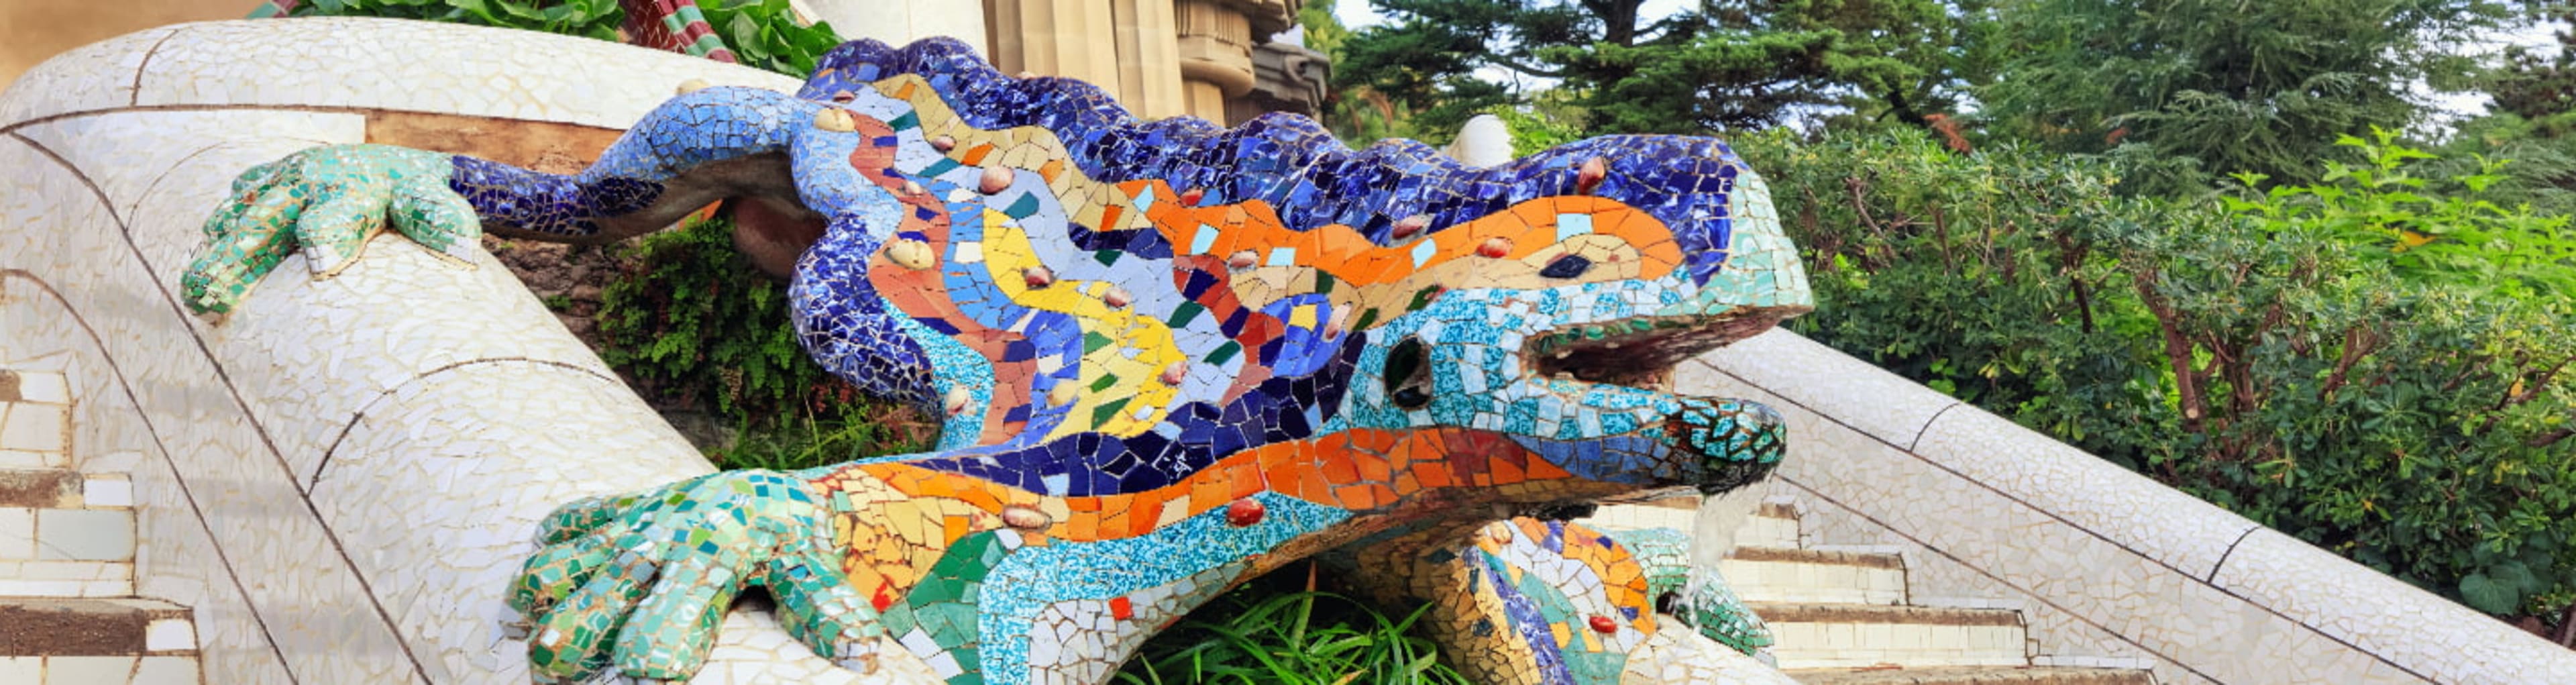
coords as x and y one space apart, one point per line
1568 266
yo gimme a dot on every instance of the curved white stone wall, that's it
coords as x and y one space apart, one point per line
342 478
2108 567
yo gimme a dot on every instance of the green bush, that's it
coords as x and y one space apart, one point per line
695 326
1274 630
2374 364
1978 275
764 34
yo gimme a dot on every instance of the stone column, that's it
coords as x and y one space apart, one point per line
1216 56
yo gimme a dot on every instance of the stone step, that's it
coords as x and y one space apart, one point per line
35 420
1865 635
1973 675
63 534
47 626
1774 525
1806 576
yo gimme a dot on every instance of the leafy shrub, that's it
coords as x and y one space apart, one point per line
2375 364
693 324
764 34
1272 630
1977 275
586 18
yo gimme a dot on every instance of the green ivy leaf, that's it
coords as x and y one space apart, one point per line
2488 595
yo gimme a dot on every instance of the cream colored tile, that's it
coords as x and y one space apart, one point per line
129 153
1878 403
2319 589
95 76
85 534
107 491
22 459
269 537
2131 510
170 634
58 570
43 387
167 670
22 669
17 533
446 68
88 670
35 428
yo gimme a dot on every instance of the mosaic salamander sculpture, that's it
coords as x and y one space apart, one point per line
1169 357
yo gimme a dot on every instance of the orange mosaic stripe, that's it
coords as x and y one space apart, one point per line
1347 255
1358 470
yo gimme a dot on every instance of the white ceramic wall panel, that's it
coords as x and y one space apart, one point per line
347 586
91 77
178 560
426 67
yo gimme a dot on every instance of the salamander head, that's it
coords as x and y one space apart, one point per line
1565 360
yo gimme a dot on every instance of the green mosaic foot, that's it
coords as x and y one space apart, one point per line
329 201
1697 595
640 582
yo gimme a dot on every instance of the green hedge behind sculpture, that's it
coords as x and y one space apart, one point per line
2302 356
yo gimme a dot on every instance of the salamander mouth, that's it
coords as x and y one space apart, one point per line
1640 352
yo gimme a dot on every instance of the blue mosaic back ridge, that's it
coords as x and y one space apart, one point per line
1300 168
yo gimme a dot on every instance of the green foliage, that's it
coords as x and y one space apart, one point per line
1535 128
764 34
692 324
2227 85
2273 353
2539 85
2387 211
1270 631
1737 65
585 18
1974 274
1353 111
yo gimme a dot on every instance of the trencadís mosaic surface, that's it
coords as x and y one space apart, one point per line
1169 357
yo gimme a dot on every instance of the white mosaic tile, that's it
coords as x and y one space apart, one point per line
87 670
166 670
95 76
129 153
17 533
177 560
446 68
43 387
2416 630
2137 513
85 535
317 610
438 490
1866 397
170 634
107 491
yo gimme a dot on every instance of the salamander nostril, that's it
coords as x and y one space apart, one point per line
1405 375
1568 266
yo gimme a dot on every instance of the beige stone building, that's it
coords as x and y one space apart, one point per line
1215 59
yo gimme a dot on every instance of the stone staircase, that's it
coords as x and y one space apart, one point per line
1843 616
68 611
